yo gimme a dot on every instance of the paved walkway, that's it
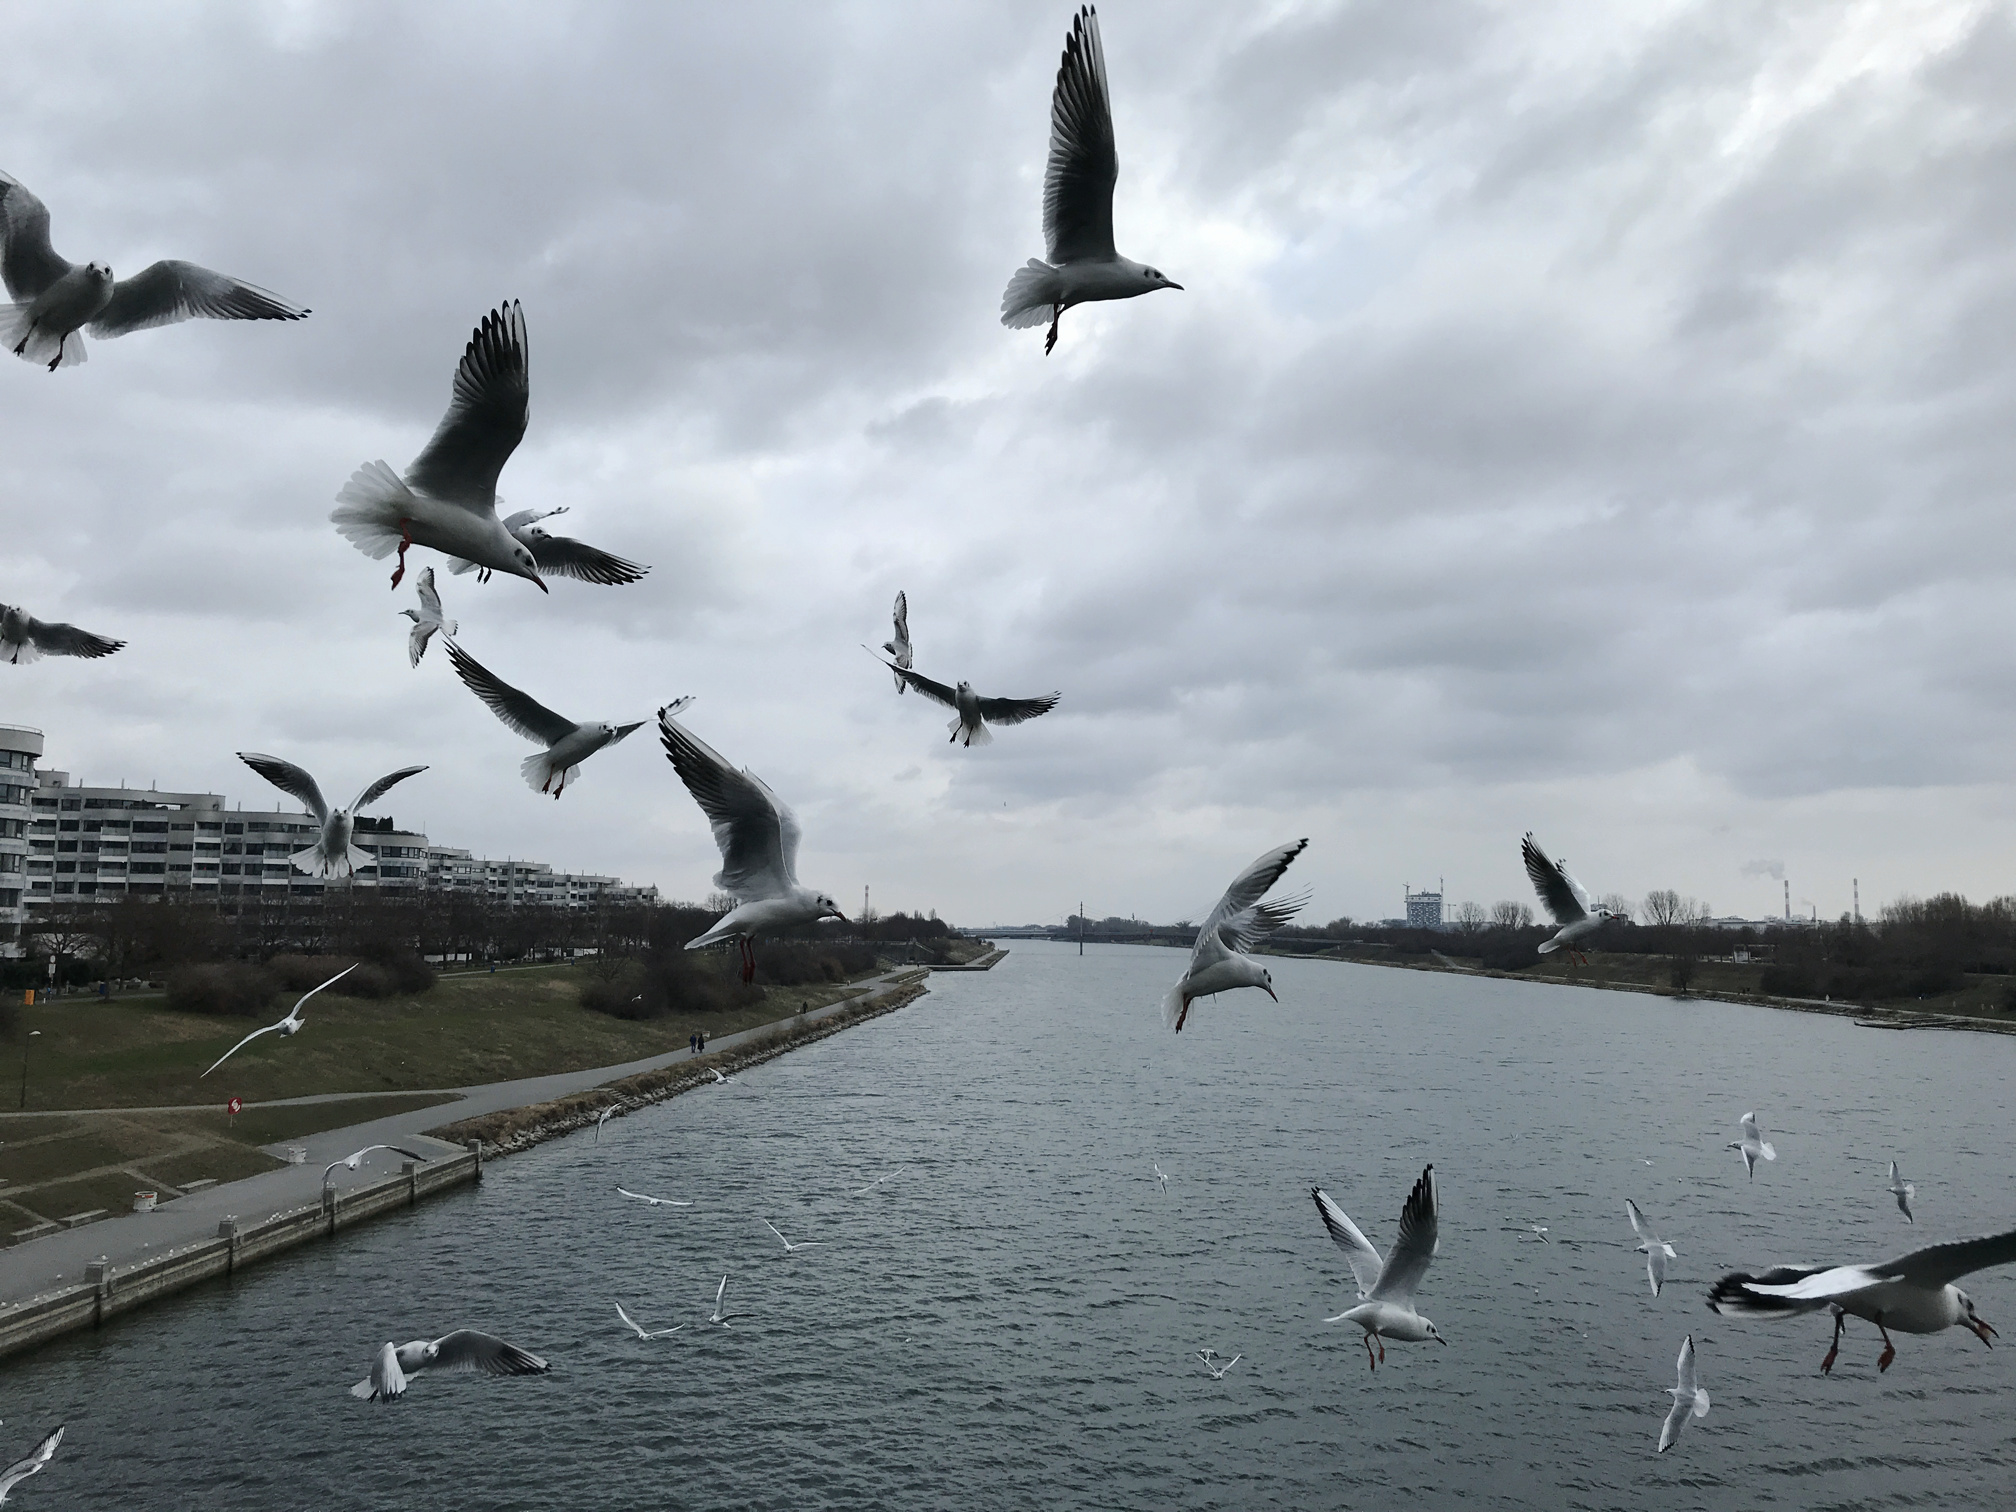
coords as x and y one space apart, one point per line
58 1259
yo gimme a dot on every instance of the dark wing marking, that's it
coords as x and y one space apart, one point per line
935 691
1008 711
27 261
378 790
486 416
170 291
525 715
289 778
756 833
1420 1235
564 556
1732 1294
468 1350
1548 881
1078 180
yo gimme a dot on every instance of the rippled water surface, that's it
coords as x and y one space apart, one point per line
1011 1320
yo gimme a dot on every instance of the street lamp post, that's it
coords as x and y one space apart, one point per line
32 1034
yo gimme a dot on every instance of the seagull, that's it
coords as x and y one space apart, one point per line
56 300
1238 922
332 855
862 1191
718 1316
1903 1191
1913 1293
1078 199
351 1162
559 556
288 1027
789 1247
602 1118
641 1331
1753 1145
448 499
1564 899
1657 1250
653 1201
37 1459
567 744
758 838
1218 1371
1386 1287
898 644
25 639
719 1079
969 723
426 619
1161 1176
1538 1230
463 1351
1689 1399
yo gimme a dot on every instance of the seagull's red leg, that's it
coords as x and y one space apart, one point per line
405 540
1889 1349
1834 1349
748 959
1370 1363
1382 1349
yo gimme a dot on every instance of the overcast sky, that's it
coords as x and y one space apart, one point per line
1579 418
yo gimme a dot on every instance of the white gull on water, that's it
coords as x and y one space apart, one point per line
332 854
288 1027
1236 923
1386 1287
567 744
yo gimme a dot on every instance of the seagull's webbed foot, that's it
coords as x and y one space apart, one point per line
1056 314
1889 1349
405 543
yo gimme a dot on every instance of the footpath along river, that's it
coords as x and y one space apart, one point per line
1012 1318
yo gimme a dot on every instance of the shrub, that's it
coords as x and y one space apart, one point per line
394 973
792 963
666 982
235 988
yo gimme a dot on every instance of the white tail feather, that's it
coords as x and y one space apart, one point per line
460 565
39 345
978 735
310 861
369 509
542 776
362 1390
1548 947
20 653
1031 296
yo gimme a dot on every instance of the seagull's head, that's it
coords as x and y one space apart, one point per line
1434 1333
828 909
1157 279
965 689
1266 984
98 273
524 566
1973 1321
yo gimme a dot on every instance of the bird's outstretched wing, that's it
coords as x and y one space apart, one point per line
937 692
486 416
1638 1224
290 779
239 1046
172 291
1359 1254
1245 893
900 618
1248 927
1415 1248
1557 895
383 785
563 556
35 1460
521 713
68 640
467 1350
28 262
1078 180
1008 711
430 596
1943 1264
756 832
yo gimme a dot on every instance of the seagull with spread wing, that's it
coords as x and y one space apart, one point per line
651 1201
1903 1191
33 1463
332 855
1690 1398
974 713
448 498
465 1351
1386 1287
758 838
288 1027
567 744
1913 1293
25 639
1565 900
898 645
426 619
1753 1146
559 556
1239 921
352 1161
1078 199
641 1331
55 300
1657 1250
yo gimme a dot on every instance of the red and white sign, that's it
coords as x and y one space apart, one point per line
234 1107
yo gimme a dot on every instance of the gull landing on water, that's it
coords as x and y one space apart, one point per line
1565 900
1912 1294
1386 1287
641 1331
1690 1399
1238 922
332 855
1753 1145
1078 199
287 1028
1903 1191
1657 1250
567 744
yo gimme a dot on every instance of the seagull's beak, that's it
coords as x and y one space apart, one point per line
836 914
540 581
1442 1341
1174 285
1269 991
1982 1330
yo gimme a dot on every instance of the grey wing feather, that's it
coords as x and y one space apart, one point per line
1359 1252
1249 926
1008 711
901 617
564 556
1943 1264
27 262
68 640
1415 1248
468 1350
937 692
35 1459
1556 895
289 778
524 715
171 291
383 785
486 416
1084 166
1248 888
756 832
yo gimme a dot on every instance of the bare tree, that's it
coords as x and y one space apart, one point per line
1665 906
1469 918
1508 915
1617 903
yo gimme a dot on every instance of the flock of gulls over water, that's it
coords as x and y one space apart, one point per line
446 501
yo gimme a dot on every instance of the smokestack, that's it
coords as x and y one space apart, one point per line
1858 900
1788 900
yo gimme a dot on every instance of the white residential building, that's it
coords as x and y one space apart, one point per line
20 749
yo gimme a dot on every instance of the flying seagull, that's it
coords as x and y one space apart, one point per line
1903 1191
718 1316
1657 1250
974 713
898 644
36 1460
288 1027
758 838
25 639
448 499
464 1351
426 619
558 556
351 1162
1564 899
603 1117
567 744
1161 1176
332 855
1753 1145
863 1191
789 1247
1218 1371
1386 1287
653 1201
719 1079
1689 1398
55 300
1078 199
1238 922
641 1331
1912 1294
